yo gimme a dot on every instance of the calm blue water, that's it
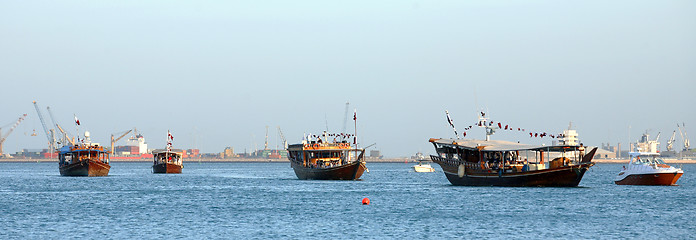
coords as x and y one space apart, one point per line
264 200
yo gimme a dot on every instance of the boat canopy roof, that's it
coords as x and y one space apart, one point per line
499 145
68 149
635 154
322 147
164 151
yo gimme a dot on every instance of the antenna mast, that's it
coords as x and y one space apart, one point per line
345 118
483 122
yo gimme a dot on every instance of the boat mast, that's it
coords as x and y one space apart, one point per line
483 122
355 122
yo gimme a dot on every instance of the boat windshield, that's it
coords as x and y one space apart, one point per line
648 160
640 160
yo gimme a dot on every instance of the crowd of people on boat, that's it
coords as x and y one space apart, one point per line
168 158
327 163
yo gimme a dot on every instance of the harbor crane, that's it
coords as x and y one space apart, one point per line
66 137
53 131
670 142
49 135
282 138
682 132
114 140
265 144
3 137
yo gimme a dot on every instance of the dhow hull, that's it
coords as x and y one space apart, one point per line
85 169
352 171
167 168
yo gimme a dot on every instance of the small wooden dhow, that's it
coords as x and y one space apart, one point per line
167 160
321 159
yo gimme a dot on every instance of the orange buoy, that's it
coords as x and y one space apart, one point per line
366 201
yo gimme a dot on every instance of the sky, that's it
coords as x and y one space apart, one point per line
216 73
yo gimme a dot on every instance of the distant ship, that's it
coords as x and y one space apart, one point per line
135 149
84 159
321 159
167 161
509 164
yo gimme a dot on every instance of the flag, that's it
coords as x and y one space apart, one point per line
169 135
355 114
77 121
451 123
449 119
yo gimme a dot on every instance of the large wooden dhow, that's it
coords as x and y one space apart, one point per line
319 159
83 160
510 164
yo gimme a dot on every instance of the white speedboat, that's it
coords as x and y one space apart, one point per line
647 169
423 166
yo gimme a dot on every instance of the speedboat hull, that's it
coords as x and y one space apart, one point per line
423 168
657 179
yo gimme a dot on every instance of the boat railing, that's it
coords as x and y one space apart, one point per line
506 166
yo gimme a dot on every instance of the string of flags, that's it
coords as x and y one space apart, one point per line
341 136
501 126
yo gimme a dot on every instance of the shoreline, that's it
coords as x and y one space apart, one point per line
259 160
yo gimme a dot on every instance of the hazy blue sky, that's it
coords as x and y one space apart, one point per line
220 71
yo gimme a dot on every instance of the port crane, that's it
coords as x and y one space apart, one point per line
53 131
282 138
682 132
49 135
670 142
114 140
66 137
3 137
265 144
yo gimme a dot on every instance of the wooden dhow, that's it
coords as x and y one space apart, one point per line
167 160
83 159
317 158
509 164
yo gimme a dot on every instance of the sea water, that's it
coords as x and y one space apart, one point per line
265 200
